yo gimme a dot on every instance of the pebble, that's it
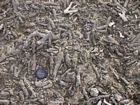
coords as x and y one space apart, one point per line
41 73
94 92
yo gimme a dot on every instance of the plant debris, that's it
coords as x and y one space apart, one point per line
69 52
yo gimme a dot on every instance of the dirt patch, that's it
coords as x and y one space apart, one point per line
69 52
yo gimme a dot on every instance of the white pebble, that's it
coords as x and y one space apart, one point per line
94 92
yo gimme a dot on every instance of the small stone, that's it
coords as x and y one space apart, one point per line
94 92
41 73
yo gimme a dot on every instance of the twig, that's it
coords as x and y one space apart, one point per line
51 58
51 22
119 6
58 61
101 27
22 85
68 11
85 92
15 4
96 98
96 71
78 78
125 81
122 15
44 37
27 84
44 83
114 72
105 1
113 100
126 3
100 102
108 21
1 26
107 103
4 102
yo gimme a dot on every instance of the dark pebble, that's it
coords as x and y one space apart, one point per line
41 73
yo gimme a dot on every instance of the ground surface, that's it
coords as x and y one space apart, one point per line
89 48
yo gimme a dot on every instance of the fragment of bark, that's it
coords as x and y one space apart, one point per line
125 81
15 4
110 39
123 16
95 70
127 102
99 102
118 97
85 92
119 6
114 72
79 34
51 22
68 11
28 85
95 99
108 21
24 89
113 100
54 13
77 96
4 93
60 99
49 3
135 5
126 3
68 59
4 102
58 61
105 1
75 59
21 95
92 38
1 26
34 57
107 103
64 26
78 79
51 58
45 37
5 2
102 27
63 83
16 70
43 83
2 58
98 97
52 50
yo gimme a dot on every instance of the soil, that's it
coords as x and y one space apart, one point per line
87 52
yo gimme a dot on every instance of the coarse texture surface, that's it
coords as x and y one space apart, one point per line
90 49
